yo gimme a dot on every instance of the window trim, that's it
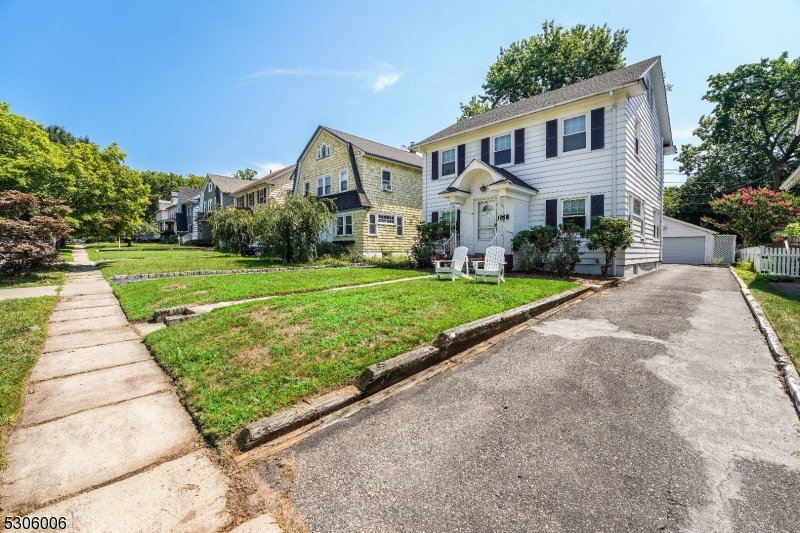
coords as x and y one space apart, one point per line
385 223
391 180
346 180
637 137
342 219
587 200
306 187
510 135
400 226
329 185
455 162
323 151
635 199
586 130
370 224
262 195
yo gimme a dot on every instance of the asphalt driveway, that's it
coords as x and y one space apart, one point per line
651 407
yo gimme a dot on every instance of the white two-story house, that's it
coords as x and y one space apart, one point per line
592 148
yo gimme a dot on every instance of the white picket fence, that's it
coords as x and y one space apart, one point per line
785 261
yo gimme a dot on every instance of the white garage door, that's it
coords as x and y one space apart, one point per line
686 250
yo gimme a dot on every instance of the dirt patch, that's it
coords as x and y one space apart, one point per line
265 488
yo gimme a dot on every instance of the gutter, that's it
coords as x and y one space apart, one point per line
416 147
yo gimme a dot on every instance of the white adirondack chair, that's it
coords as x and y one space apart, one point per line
493 265
455 266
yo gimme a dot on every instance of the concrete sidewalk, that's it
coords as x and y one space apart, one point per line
29 292
103 439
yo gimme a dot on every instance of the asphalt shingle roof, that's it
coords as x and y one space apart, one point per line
186 193
265 179
583 89
227 184
346 201
377 149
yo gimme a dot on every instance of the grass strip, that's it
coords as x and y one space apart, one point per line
240 363
139 300
22 335
782 309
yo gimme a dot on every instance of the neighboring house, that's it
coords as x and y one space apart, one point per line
217 191
687 243
275 185
165 225
173 213
377 190
191 207
794 178
592 148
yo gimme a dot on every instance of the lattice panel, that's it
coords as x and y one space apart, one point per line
725 249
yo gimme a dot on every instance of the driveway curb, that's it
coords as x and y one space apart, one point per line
784 363
391 371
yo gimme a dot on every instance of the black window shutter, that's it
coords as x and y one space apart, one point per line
598 128
551 138
462 158
434 165
485 150
551 213
598 205
435 216
519 146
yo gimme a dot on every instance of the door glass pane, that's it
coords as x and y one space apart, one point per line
486 220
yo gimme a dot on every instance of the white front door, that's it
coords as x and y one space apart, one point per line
487 222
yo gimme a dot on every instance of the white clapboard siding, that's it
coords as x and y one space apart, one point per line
580 174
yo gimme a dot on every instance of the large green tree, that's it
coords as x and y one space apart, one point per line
748 139
59 135
105 197
547 61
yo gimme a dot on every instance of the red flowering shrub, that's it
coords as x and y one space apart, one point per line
29 229
754 214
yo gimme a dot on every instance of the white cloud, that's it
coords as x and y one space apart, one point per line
385 80
379 78
268 166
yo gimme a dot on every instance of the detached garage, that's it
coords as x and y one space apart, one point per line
686 243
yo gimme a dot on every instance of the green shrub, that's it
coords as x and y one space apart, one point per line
745 265
780 278
333 250
609 234
430 237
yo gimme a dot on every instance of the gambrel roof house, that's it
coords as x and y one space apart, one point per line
377 190
275 185
595 147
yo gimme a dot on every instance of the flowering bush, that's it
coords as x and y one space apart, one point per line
29 229
753 214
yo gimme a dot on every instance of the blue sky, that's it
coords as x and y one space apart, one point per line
218 86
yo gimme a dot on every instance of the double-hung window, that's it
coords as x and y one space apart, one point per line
306 188
240 201
373 224
262 196
502 150
386 180
399 225
250 199
448 162
343 180
574 133
324 186
574 211
344 225
637 135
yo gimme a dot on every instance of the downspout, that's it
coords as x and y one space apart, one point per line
613 169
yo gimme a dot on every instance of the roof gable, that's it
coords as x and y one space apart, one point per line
227 184
268 179
604 83
370 148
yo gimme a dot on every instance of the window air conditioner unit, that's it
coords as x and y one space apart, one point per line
386 187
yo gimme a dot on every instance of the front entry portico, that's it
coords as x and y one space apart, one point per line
494 205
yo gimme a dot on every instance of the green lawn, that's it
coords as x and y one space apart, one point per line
139 300
240 363
51 276
178 262
19 349
782 309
